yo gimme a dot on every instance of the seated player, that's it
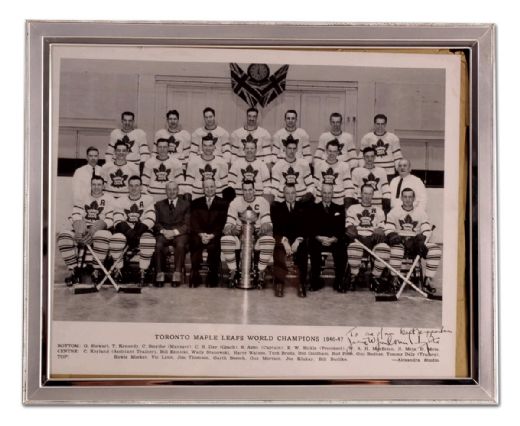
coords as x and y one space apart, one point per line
159 170
407 229
172 228
116 174
91 218
208 216
365 222
264 241
290 235
134 218
327 233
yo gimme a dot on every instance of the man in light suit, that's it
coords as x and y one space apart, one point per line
208 216
172 229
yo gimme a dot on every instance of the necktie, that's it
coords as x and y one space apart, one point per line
398 193
172 206
93 171
208 202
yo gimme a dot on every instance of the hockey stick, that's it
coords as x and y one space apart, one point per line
112 268
83 288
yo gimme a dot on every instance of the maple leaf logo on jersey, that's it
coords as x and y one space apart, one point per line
207 172
381 148
173 145
366 218
329 177
407 224
209 137
126 140
290 139
291 176
249 173
133 214
162 173
118 179
93 210
249 138
371 180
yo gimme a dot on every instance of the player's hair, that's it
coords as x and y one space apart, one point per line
248 182
407 189
367 185
97 177
162 140
128 113
208 109
252 110
92 148
120 143
336 114
380 116
291 111
172 112
134 177
208 138
333 142
368 149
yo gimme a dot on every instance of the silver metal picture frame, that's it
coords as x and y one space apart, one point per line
161 61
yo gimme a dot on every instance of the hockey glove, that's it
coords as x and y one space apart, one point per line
352 232
394 239
265 229
379 235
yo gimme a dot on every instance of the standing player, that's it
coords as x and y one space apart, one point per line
347 149
135 140
336 174
386 144
83 175
91 218
179 140
369 174
294 134
264 241
116 174
203 167
134 219
292 171
159 170
211 131
252 132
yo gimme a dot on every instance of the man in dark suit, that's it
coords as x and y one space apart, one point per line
290 234
327 233
208 216
172 228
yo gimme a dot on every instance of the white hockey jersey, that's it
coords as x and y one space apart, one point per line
157 173
388 150
347 149
375 177
199 169
135 140
219 135
300 136
179 144
297 173
365 219
259 136
408 223
255 171
91 209
116 177
134 211
259 205
337 175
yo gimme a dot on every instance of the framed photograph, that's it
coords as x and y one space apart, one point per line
259 213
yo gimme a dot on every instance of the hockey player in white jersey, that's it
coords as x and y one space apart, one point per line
203 167
365 222
347 149
134 219
250 168
252 132
212 131
179 140
89 223
407 180
292 171
291 133
374 176
159 170
83 175
135 140
116 174
407 229
335 173
386 144
264 241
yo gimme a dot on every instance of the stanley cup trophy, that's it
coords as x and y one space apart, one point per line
248 218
